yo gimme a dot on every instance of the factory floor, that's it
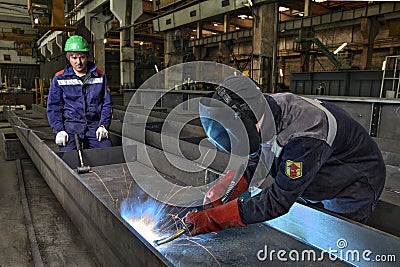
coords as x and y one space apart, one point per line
34 228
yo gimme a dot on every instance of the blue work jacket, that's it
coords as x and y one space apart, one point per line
77 106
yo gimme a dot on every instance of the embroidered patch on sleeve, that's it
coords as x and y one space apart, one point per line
294 170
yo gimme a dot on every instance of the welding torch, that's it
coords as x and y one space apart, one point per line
186 228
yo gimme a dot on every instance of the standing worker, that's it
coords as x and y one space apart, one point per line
79 101
314 151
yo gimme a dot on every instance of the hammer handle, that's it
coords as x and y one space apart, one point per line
78 144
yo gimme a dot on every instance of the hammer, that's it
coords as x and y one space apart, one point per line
82 168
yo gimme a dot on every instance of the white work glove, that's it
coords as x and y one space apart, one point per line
101 133
62 138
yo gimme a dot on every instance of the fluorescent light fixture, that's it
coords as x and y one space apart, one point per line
237 28
215 24
214 33
191 37
194 30
105 40
242 16
281 72
339 48
283 8
36 21
155 66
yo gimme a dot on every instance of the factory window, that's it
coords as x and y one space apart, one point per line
225 3
168 21
192 13
7 57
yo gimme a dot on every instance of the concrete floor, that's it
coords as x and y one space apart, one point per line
55 240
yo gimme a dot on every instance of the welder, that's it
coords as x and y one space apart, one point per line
314 151
79 100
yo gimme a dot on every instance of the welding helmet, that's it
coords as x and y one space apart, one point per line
230 116
76 43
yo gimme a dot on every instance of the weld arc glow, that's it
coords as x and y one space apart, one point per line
143 217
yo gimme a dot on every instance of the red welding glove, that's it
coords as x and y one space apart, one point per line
214 195
215 219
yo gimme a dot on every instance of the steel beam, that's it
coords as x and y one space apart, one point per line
114 242
352 16
303 231
354 243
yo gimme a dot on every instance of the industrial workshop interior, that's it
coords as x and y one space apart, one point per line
199 133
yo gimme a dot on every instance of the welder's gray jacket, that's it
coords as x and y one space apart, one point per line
337 165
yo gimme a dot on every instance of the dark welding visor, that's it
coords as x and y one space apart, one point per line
228 129
216 134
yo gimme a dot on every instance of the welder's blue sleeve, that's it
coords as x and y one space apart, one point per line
55 104
106 111
276 200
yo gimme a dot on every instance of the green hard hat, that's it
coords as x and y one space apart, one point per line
76 43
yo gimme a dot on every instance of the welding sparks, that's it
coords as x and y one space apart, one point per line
154 223
153 220
143 217
145 226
